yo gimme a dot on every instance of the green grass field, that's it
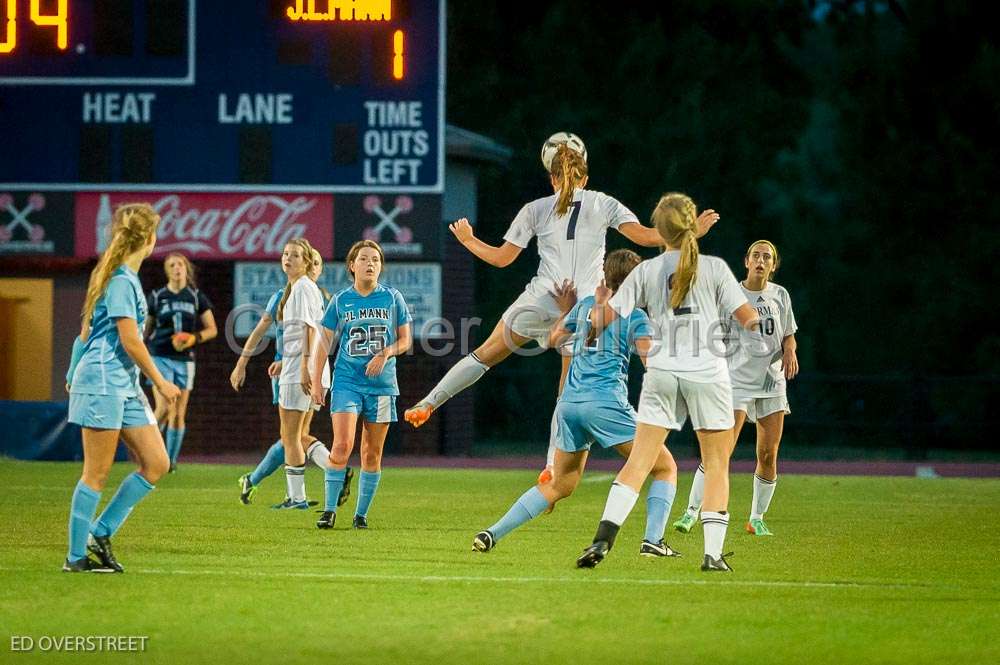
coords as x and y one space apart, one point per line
887 570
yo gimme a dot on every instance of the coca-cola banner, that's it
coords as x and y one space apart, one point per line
214 226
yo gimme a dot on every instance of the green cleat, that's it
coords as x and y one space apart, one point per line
686 522
247 489
758 528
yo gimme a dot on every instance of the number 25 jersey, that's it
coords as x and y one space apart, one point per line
363 326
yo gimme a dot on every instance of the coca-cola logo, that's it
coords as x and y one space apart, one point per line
260 224
221 225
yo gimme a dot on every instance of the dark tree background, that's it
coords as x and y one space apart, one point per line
861 137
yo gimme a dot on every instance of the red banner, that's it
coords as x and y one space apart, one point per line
213 226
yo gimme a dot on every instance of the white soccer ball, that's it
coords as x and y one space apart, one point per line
552 144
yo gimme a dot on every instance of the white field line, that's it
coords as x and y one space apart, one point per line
582 578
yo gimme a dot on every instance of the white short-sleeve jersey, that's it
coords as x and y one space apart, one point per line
303 308
690 340
755 375
570 246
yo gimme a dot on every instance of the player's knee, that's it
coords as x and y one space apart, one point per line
371 459
155 468
339 454
768 458
564 487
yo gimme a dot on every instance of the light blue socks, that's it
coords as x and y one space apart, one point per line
81 511
272 461
367 486
132 490
334 483
658 501
530 505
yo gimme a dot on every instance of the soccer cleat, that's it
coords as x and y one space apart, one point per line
360 522
100 546
593 555
85 565
545 476
686 522
711 564
758 528
173 467
418 414
345 491
247 489
483 542
288 504
326 520
656 549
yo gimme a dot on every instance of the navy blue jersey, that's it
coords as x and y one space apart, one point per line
174 313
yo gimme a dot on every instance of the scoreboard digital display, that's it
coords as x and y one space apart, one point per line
210 95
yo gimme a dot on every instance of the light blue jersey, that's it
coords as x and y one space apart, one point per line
363 326
272 311
599 370
105 368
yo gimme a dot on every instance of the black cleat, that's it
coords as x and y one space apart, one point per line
247 489
717 565
173 467
593 555
345 491
360 522
85 565
656 549
483 542
100 546
326 520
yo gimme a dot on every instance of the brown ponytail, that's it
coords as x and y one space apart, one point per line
569 168
131 228
674 217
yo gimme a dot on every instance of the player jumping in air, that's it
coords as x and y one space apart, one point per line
371 325
759 381
105 398
571 226
593 407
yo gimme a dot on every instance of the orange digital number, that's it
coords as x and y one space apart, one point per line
397 55
58 21
10 41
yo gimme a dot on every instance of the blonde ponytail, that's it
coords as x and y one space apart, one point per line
570 170
674 217
132 226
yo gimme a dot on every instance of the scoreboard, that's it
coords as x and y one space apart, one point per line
217 95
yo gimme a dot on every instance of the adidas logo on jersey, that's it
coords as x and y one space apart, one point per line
760 298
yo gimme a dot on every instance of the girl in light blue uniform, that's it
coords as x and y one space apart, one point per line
105 397
372 326
593 408
275 455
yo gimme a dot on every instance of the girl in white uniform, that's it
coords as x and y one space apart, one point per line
759 381
571 226
686 372
299 312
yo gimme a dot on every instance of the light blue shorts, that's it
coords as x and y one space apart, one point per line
110 411
178 372
580 424
373 408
